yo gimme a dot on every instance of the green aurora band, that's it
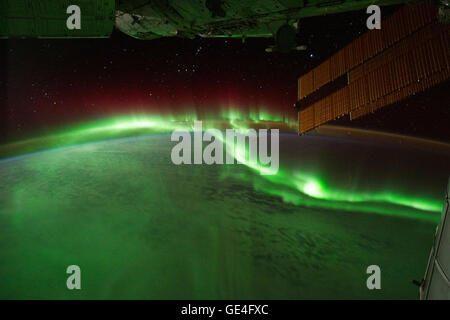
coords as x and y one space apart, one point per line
296 187
305 189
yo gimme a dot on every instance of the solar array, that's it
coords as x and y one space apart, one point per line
409 54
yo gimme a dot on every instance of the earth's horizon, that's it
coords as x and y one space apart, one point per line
141 227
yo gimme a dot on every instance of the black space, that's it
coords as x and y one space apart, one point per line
50 83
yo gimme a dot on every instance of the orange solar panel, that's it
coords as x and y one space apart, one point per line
411 53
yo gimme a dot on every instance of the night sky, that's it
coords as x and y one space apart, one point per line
46 84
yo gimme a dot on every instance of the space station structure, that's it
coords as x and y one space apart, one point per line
151 19
436 282
409 54
48 19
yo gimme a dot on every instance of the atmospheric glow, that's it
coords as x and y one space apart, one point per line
293 186
305 189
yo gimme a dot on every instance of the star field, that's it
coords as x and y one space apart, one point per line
47 83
